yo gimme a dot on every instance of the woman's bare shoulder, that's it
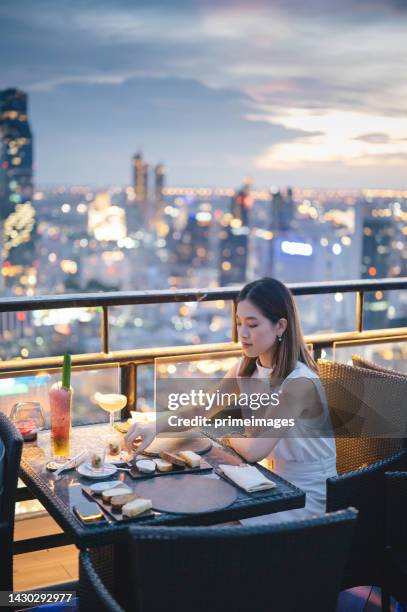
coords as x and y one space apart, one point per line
233 372
301 392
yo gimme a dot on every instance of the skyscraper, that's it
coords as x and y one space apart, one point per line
140 174
234 239
159 180
282 210
16 178
377 255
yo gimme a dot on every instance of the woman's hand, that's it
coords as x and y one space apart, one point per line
139 436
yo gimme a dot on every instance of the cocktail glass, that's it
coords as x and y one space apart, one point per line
60 400
110 402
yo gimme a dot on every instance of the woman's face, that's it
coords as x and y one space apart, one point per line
257 334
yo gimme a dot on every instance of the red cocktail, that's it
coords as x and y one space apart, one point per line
60 399
60 404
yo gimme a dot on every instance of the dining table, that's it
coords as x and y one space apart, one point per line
60 494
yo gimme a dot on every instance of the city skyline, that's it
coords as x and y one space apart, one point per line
291 95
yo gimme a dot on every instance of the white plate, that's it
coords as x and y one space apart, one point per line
99 487
85 470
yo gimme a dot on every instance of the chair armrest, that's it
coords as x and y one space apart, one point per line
92 592
396 511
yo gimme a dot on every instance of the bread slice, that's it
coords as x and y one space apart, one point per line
118 501
173 458
136 507
191 459
108 494
163 465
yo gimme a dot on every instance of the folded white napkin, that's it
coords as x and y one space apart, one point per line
247 477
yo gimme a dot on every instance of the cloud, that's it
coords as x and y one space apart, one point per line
374 138
338 142
88 133
285 61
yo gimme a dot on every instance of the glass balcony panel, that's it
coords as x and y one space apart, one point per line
327 312
145 388
85 383
181 323
207 365
47 333
391 355
384 309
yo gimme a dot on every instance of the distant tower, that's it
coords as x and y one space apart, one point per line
140 174
241 203
159 181
282 210
16 178
234 239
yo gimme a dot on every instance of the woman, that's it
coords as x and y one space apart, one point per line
275 352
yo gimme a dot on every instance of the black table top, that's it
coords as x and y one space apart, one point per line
59 496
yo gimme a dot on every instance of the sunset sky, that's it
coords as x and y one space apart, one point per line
310 93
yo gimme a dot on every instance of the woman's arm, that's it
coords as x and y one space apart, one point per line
144 434
298 396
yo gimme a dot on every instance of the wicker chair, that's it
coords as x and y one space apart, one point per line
356 399
95 592
362 461
13 443
361 362
276 567
396 536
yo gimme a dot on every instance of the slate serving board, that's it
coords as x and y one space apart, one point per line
176 469
187 494
117 516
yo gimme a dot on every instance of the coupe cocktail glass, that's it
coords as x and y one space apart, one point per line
110 402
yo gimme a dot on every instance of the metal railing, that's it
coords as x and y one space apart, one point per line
147 355
129 360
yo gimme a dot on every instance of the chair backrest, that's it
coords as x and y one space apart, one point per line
2 461
362 402
13 443
364 489
277 567
396 511
361 362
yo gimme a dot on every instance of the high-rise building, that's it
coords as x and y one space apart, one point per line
159 181
377 255
140 176
282 210
106 222
16 178
234 239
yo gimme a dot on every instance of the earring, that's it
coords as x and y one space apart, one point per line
280 338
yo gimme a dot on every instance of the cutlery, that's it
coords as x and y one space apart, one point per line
71 463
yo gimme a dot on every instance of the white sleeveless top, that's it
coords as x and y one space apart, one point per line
304 460
304 448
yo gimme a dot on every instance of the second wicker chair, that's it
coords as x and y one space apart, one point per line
355 395
292 566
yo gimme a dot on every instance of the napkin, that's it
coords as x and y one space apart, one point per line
247 477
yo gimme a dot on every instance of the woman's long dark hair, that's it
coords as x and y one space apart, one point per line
275 301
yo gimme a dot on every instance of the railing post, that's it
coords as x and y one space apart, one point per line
128 387
105 329
359 311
